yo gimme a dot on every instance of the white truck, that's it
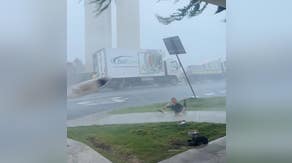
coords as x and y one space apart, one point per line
125 67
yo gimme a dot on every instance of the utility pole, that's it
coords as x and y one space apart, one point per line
187 78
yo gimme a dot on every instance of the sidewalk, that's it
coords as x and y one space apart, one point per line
149 117
215 152
81 153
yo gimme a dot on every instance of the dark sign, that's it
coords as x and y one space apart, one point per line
174 45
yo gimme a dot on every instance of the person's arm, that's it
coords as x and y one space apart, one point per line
165 107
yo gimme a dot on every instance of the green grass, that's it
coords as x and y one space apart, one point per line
200 104
142 143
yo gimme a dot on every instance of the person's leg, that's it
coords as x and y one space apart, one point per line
177 117
180 117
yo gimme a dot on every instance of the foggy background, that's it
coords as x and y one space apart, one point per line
203 36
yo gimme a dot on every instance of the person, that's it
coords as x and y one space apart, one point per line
177 108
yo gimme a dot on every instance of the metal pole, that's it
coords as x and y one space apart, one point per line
188 80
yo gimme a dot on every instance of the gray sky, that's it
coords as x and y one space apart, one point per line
75 30
203 36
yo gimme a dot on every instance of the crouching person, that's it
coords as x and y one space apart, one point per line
177 108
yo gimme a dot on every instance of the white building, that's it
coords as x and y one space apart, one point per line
116 27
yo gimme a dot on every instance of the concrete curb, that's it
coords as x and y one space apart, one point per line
81 153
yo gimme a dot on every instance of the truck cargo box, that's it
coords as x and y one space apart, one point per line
123 63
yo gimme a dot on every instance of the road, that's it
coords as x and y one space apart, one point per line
105 101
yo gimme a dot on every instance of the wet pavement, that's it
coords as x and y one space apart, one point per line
150 117
131 97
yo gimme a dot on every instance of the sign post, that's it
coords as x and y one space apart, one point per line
175 47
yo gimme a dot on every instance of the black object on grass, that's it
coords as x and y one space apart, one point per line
197 139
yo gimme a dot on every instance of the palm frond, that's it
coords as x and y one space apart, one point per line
101 5
192 9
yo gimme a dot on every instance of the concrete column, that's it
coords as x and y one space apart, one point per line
128 24
116 27
98 32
